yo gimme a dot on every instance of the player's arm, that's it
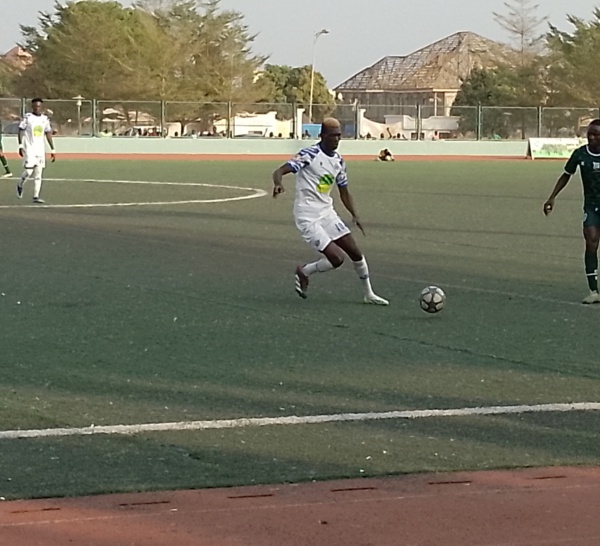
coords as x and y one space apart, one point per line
348 202
570 170
51 144
560 186
20 140
278 175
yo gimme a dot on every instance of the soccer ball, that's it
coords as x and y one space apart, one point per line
432 299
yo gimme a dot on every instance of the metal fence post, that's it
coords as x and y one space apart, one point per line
162 119
478 128
94 117
539 121
229 113
419 121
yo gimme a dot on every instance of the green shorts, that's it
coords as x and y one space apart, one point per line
591 216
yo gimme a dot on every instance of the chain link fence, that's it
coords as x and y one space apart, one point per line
114 118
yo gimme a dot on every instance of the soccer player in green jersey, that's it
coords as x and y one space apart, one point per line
7 173
587 158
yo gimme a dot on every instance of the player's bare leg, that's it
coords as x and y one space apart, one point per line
591 235
332 258
349 246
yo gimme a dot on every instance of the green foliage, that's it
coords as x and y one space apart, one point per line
292 85
486 87
499 87
575 58
83 48
172 50
7 79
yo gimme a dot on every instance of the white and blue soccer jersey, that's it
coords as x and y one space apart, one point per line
316 173
34 130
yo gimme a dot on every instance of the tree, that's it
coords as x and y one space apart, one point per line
210 50
82 48
207 61
488 87
171 50
292 85
497 89
523 26
574 59
7 78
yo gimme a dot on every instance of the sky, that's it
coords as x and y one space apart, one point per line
360 33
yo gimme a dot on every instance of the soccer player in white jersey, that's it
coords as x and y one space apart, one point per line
34 129
317 169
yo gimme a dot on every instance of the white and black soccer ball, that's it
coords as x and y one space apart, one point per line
432 299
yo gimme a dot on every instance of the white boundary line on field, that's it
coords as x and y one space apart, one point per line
256 193
295 420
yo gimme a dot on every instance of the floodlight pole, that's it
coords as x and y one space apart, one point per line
312 72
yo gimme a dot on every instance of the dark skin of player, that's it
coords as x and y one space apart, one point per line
331 135
591 234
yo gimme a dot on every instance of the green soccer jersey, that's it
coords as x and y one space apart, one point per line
589 168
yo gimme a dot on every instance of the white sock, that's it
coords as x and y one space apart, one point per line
37 182
362 270
321 266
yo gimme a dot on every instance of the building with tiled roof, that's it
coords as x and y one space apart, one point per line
17 57
429 77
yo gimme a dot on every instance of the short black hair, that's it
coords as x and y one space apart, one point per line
37 100
595 122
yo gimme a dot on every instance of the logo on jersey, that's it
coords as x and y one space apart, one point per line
38 130
325 183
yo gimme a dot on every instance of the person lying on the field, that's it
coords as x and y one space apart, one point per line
385 155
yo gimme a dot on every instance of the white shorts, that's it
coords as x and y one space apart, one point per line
319 233
31 161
